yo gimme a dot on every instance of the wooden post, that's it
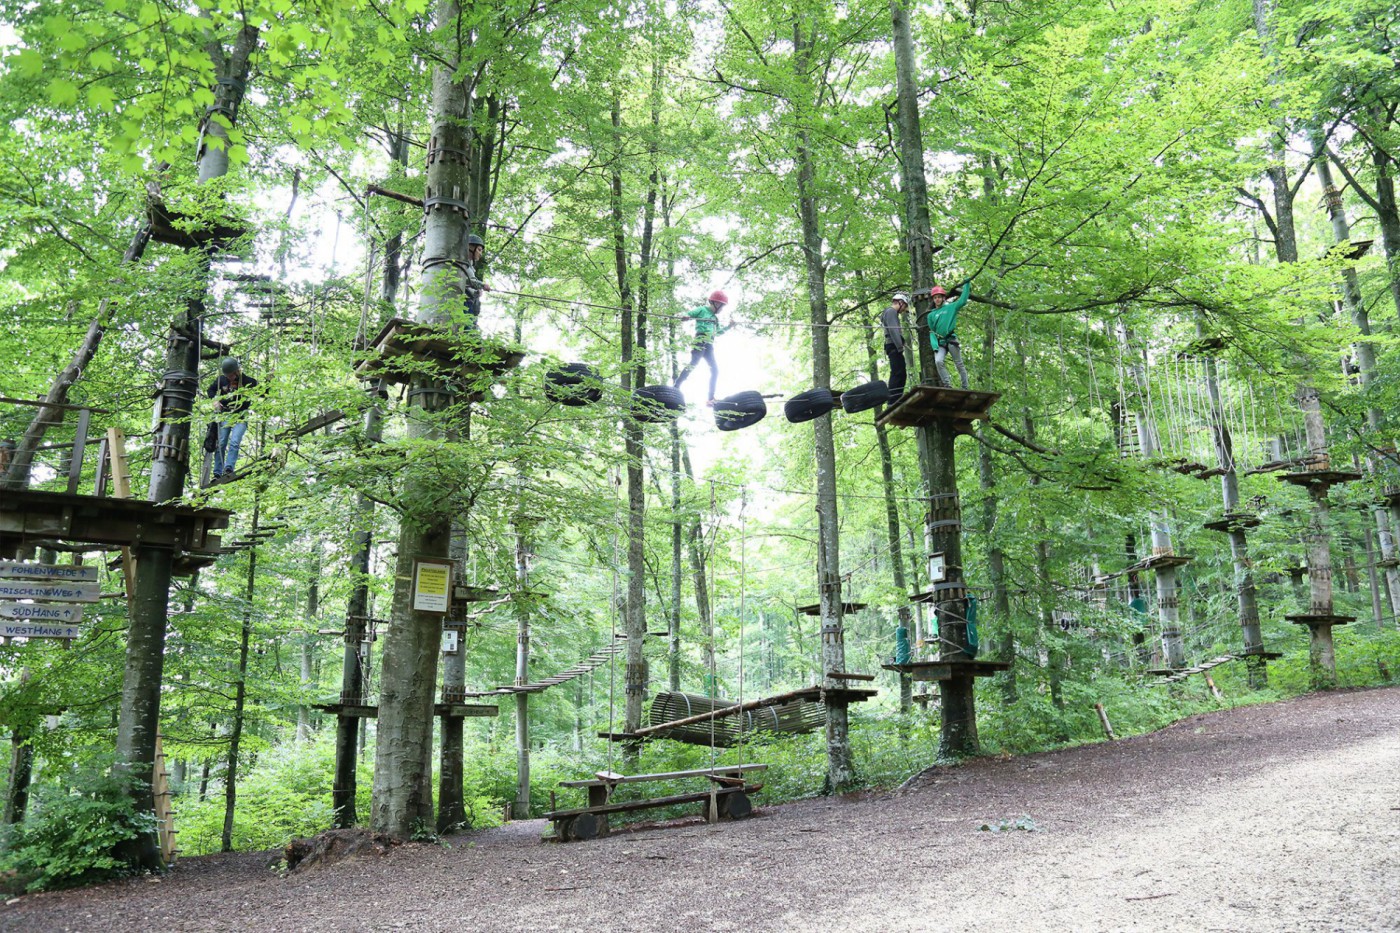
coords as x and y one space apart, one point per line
1103 721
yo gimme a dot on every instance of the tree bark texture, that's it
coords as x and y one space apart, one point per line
403 799
240 688
839 760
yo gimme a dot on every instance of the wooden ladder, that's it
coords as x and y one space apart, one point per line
160 778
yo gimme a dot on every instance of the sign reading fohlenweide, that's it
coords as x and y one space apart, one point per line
79 592
41 612
14 569
38 630
432 585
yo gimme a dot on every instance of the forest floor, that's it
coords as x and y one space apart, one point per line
1277 817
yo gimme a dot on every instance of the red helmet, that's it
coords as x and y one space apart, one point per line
937 290
720 296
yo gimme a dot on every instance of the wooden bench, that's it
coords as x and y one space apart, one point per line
726 798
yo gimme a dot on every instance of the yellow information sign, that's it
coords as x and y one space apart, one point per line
432 585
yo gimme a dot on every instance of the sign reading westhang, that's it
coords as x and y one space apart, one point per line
38 630
82 592
41 612
432 585
13 569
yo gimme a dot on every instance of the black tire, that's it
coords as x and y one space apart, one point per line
740 411
657 404
737 805
573 384
809 405
863 398
583 827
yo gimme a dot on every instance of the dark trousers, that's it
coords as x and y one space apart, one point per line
706 352
898 373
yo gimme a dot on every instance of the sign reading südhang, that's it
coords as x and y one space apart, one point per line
41 612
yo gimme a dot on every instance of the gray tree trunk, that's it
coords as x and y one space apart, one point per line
240 690
308 642
522 676
139 715
403 796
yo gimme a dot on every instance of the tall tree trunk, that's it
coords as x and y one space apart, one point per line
1365 355
355 656
240 688
452 802
403 797
958 709
308 641
139 716
840 763
522 675
903 635
695 540
1245 595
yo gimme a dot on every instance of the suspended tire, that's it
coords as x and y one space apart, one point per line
863 398
740 411
656 404
809 405
583 827
573 384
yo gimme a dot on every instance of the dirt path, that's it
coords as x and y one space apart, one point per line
1284 817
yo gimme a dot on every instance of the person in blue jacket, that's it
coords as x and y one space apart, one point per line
943 331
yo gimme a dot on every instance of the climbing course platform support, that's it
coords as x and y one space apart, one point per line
403 348
948 669
923 404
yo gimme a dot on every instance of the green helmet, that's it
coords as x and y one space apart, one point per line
474 240
229 366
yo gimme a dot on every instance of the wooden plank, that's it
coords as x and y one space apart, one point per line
633 805
663 776
77 592
20 570
846 675
38 630
52 613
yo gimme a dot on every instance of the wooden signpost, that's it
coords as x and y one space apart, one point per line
56 587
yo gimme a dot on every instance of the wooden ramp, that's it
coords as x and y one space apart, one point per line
701 720
922 405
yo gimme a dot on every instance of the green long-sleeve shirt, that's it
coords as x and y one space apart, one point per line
943 322
707 326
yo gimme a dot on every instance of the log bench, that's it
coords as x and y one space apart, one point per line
726 798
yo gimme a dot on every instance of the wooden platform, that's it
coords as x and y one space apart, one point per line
923 405
1234 521
949 669
401 343
1261 653
448 710
71 522
1158 561
1319 619
1319 477
815 609
177 229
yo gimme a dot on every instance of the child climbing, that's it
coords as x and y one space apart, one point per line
890 320
231 394
476 251
943 330
707 328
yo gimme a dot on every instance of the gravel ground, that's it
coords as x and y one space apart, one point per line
1281 817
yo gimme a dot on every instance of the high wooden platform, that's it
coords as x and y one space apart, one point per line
1319 619
1391 495
449 710
1234 521
70 522
1319 477
815 609
923 405
177 229
403 346
949 669
1159 561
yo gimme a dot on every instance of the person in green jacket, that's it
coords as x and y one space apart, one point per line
943 331
707 328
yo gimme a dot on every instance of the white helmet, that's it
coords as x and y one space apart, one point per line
900 296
